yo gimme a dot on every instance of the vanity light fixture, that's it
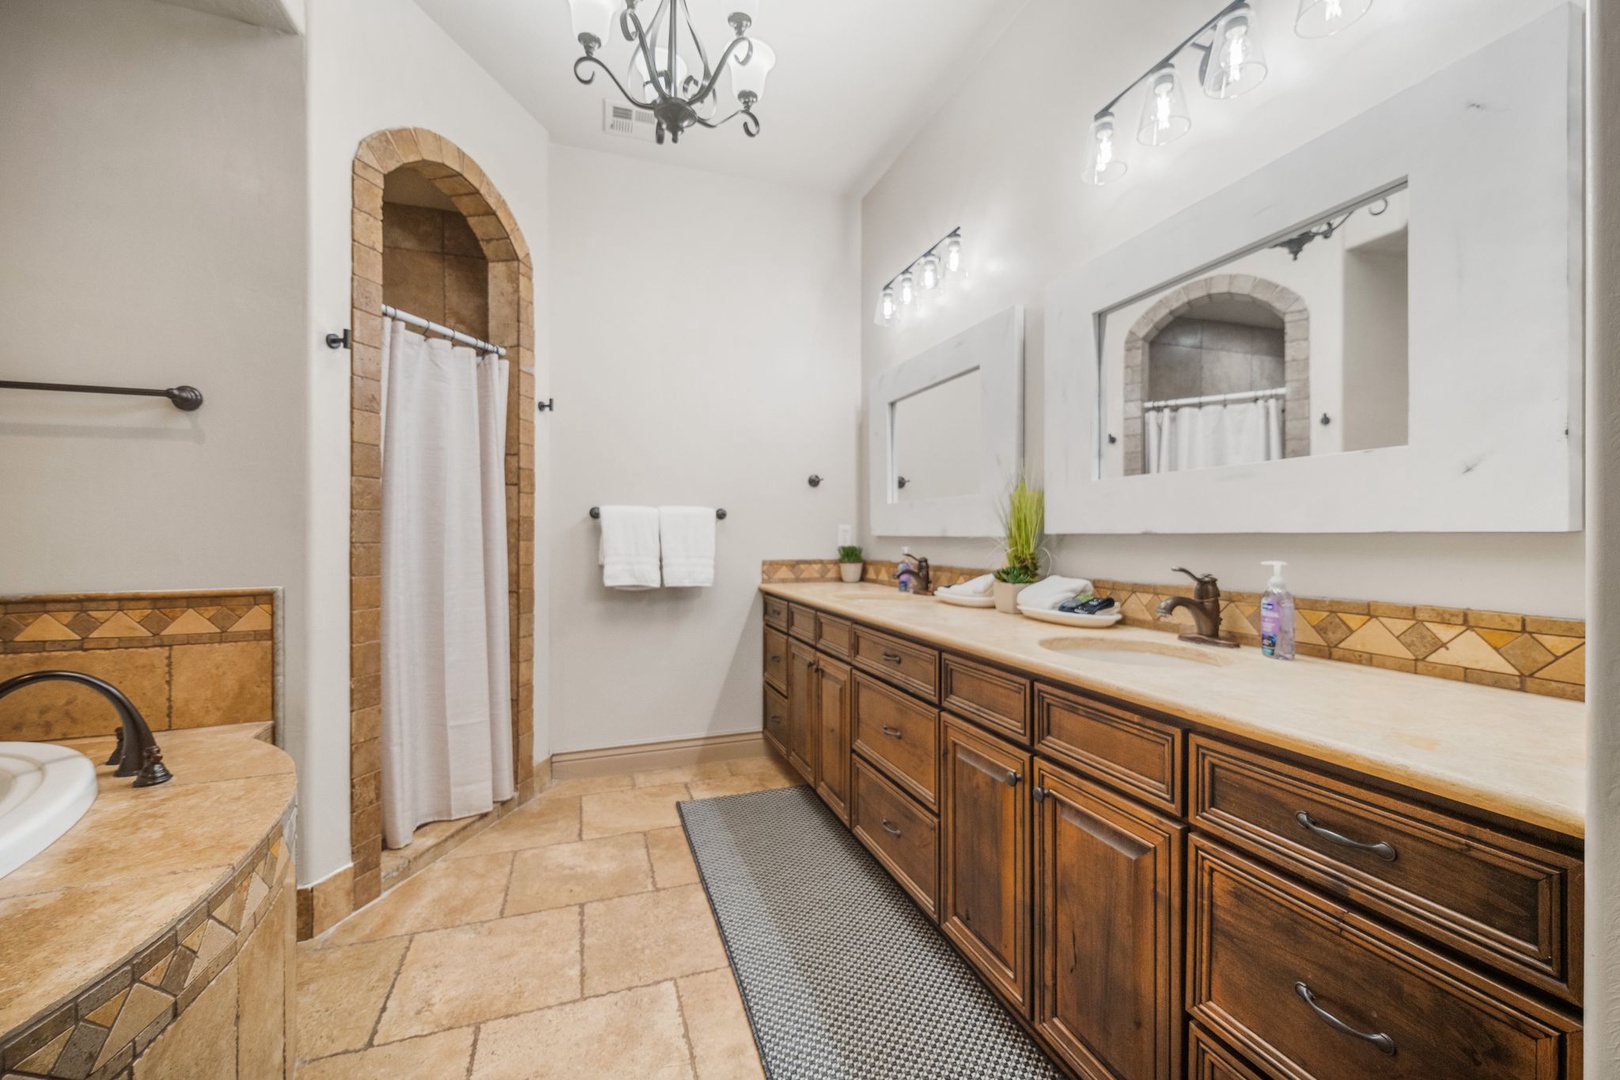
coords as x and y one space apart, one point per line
1324 18
669 73
926 273
1164 114
1236 64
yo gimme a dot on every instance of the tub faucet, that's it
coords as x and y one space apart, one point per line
1205 606
137 753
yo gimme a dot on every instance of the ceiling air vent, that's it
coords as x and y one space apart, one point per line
629 122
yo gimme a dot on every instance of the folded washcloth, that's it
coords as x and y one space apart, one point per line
629 547
686 534
979 586
1048 594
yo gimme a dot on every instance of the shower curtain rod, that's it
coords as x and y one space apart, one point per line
443 331
1218 399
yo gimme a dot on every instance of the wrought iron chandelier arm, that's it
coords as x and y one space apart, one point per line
703 54
750 122
634 32
589 77
708 87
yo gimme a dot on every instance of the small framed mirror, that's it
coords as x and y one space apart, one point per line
945 431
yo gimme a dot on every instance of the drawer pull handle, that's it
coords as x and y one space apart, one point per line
893 658
776 659
1383 849
889 828
893 732
1378 1039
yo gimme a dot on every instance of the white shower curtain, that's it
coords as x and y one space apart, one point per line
446 705
1208 436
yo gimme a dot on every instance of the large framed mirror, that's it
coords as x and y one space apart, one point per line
1378 332
945 431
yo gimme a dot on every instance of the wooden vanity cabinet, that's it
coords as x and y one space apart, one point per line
984 812
776 719
833 689
1107 921
802 723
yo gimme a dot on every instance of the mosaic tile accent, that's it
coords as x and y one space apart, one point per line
132 620
1488 648
100 1033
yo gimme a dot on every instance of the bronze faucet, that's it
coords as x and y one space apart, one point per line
137 753
922 576
1205 606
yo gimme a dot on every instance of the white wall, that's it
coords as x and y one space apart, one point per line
376 64
705 354
1003 159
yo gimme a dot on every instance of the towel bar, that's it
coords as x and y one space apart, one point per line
596 512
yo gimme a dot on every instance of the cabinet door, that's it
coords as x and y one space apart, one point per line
832 732
984 899
776 719
1108 916
801 710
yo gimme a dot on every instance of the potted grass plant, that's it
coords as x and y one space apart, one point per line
1024 523
851 563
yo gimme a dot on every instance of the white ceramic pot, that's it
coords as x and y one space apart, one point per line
851 571
1006 596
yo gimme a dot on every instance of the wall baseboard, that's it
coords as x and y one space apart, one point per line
659 755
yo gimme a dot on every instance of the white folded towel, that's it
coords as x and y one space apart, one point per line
629 547
979 586
687 536
1048 594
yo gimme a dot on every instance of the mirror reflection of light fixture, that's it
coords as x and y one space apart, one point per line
1324 18
927 273
953 255
1164 113
1236 63
1103 163
887 306
908 289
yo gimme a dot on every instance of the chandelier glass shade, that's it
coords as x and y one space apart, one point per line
671 71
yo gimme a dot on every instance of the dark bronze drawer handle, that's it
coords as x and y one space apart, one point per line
1378 1039
890 829
894 658
1383 849
893 732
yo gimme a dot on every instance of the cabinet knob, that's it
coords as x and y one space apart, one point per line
1039 793
1012 778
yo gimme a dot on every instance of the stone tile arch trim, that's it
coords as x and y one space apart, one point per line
1187 300
511 324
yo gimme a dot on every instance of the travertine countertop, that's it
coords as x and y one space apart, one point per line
1509 753
136 863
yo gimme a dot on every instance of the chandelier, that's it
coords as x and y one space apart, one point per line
669 72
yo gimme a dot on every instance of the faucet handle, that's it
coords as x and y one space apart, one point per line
1207 584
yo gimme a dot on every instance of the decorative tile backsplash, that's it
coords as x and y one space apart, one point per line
1490 648
192 659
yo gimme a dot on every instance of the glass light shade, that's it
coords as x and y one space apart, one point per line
1236 63
748 80
1103 163
639 81
592 18
907 288
928 272
1324 18
1164 115
953 255
887 306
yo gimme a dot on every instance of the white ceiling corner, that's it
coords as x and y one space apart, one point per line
286 16
854 80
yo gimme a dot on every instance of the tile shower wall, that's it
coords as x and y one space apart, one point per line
433 266
1489 648
191 659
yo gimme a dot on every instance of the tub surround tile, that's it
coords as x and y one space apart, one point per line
1519 755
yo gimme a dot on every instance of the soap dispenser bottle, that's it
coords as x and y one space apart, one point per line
1277 616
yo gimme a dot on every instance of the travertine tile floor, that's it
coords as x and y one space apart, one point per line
569 941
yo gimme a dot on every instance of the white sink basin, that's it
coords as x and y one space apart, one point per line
44 790
1136 653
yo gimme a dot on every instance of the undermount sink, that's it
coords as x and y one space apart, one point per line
1135 653
44 791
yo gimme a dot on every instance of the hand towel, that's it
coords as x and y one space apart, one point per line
1048 594
979 586
686 534
629 547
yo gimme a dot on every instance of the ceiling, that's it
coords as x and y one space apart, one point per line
284 15
854 79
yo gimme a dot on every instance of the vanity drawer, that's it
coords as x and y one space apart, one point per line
903 836
1137 755
1504 901
833 635
1207 1059
802 622
776 647
776 612
1309 990
997 699
776 716
898 734
911 667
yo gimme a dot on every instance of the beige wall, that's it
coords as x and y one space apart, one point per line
705 354
1003 159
